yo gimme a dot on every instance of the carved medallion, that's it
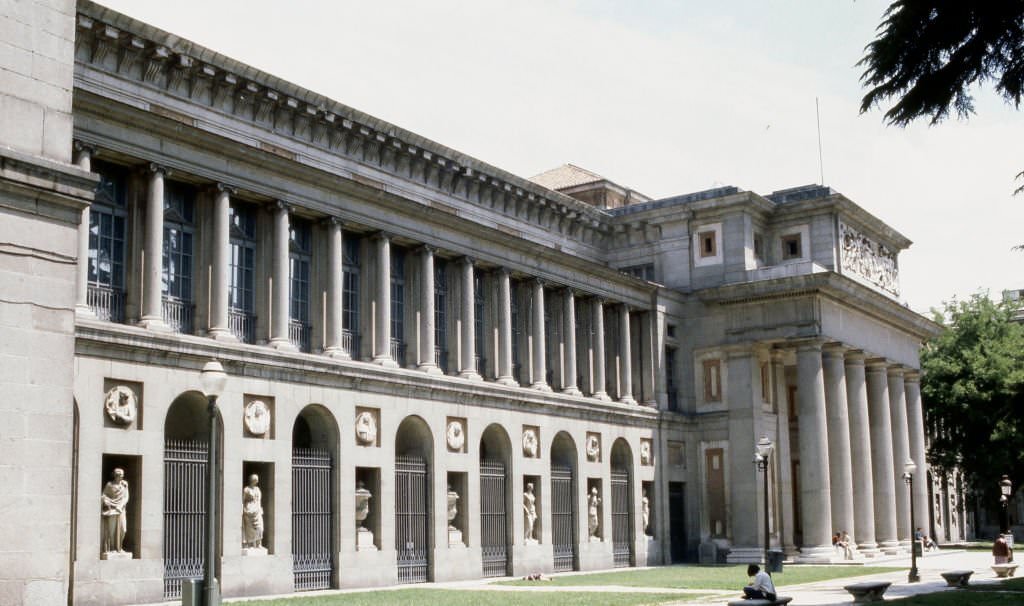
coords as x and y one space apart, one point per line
645 452
121 405
456 435
366 428
257 417
530 443
593 447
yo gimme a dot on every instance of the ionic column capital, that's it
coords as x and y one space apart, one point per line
81 146
153 168
833 350
855 357
809 345
281 205
224 188
426 249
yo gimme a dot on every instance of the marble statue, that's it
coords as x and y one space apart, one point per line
120 405
257 417
115 518
593 513
529 513
593 448
645 512
252 514
453 507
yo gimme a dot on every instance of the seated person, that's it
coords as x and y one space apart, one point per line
928 543
761 587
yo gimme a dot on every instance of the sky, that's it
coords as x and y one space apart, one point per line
667 97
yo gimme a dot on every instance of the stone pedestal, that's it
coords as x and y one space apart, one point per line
254 551
455 538
116 555
364 540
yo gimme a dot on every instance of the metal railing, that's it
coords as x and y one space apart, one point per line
106 302
398 352
493 519
178 315
184 513
563 518
441 359
312 547
242 324
300 334
480 363
412 519
622 535
673 399
350 343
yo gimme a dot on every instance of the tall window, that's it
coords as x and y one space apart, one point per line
478 321
517 331
107 220
441 314
178 256
299 255
670 378
241 298
350 295
398 305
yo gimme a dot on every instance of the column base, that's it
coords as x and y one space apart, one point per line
337 353
791 551
385 361
430 369
869 550
541 386
222 334
627 400
745 555
509 381
600 395
283 344
572 391
890 547
823 554
470 375
156 324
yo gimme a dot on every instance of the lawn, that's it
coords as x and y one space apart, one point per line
989 594
706 577
452 597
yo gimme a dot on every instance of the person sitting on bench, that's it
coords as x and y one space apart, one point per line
761 588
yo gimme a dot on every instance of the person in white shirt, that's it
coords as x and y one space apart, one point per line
761 588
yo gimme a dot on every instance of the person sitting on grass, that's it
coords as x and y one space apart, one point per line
761 587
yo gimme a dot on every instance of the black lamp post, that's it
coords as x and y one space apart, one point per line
762 454
213 378
1005 490
908 476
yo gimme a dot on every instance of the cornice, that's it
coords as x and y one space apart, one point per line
850 212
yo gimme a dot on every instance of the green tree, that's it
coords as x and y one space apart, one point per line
972 388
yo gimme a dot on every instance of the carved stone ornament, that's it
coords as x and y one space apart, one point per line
645 452
366 428
868 259
121 405
593 448
257 418
455 434
530 443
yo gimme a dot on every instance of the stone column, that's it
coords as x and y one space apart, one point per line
815 495
427 325
153 251
467 359
838 422
220 328
745 496
334 347
915 422
881 457
280 312
569 329
650 357
625 357
382 304
540 366
505 328
783 454
900 453
83 160
860 455
597 311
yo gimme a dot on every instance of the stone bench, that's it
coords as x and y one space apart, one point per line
869 591
1004 570
779 601
957 578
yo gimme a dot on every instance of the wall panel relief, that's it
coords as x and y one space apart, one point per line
868 259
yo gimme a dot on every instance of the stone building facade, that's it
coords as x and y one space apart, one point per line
437 369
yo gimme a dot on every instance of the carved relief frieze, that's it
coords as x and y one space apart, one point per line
869 259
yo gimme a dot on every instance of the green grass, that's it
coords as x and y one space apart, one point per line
454 597
990 594
706 577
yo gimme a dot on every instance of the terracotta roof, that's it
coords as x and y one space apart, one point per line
566 175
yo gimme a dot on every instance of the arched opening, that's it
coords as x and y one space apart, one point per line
314 439
413 452
563 503
622 503
186 448
495 501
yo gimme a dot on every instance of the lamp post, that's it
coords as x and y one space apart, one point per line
213 378
908 476
762 453
1005 490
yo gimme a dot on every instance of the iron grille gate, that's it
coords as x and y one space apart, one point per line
184 512
622 526
563 518
411 518
312 547
493 518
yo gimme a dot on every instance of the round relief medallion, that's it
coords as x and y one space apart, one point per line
593 448
455 435
120 404
645 453
530 443
257 418
366 428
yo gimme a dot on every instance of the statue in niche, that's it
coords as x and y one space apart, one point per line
645 452
453 507
252 514
530 443
593 448
645 512
257 418
593 513
121 405
115 518
366 428
529 513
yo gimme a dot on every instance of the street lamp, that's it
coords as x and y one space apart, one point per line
1005 490
213 379
908 476
761 455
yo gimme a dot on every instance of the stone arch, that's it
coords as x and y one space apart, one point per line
623 522
495 500
314 508
564 525
413 497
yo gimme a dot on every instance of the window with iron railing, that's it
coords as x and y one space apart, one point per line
108 218
441 314
241 289
478 321
300 255
670 378
350 295
178 256
517 331
398 305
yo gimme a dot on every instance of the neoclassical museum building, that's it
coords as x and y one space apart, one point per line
436 369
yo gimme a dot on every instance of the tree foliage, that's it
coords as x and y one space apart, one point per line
929 53
972 390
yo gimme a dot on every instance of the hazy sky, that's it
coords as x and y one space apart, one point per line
667 97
